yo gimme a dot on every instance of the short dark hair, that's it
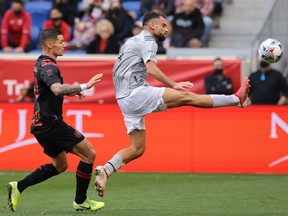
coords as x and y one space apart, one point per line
49 33
18 1
218 59
151 15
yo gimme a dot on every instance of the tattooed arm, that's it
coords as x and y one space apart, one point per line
65 89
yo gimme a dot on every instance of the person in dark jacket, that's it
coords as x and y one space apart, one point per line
166 6
268 86
69 9
188 26
218 83
121 20
105 41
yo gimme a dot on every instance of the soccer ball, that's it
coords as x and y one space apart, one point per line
271 50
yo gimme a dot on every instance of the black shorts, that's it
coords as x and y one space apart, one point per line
58 137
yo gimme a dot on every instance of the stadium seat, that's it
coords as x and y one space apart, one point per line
35 33
133 6
41 7
75 52
39 18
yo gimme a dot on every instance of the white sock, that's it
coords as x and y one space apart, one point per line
225 100
114 164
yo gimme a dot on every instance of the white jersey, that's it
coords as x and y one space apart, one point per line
129 69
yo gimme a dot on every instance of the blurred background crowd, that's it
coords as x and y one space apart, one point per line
102 26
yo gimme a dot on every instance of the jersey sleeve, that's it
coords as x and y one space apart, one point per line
148 51
26 31
50 74
4 30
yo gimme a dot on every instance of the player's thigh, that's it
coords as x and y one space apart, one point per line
84 150
174 98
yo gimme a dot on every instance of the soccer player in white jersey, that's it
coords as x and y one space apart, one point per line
136 98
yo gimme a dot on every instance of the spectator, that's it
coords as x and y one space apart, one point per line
188 26
105 41
83 34
178 5
57 22
268 86
206 8
95 8
69 9
16 29
121 20
166 6
217 13
217 83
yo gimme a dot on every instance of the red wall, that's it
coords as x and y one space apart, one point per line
222 140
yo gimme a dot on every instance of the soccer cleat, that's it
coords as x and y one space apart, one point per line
242 93
13 195
88 204
101 180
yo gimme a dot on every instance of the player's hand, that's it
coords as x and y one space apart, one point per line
7 49
183 85
80 95
19 50
94 80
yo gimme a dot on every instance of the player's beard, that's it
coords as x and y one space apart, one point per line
160 37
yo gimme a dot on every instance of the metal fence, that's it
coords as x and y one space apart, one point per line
275 26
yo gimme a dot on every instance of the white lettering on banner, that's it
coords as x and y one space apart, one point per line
1 111
22 124
10 84
79 121
13 87
276 120
78 117
22 114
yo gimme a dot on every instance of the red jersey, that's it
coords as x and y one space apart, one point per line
64 28
16 29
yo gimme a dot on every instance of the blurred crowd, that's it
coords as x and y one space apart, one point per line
102 26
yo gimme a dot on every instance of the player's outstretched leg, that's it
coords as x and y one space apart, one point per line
242 93
101 180
13 195
88 204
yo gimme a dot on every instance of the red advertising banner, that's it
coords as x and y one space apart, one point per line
222 140
16 74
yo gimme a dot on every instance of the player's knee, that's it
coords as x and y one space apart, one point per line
61 167
89 156
139 151
92 156
187 98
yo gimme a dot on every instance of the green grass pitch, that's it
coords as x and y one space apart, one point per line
153 194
